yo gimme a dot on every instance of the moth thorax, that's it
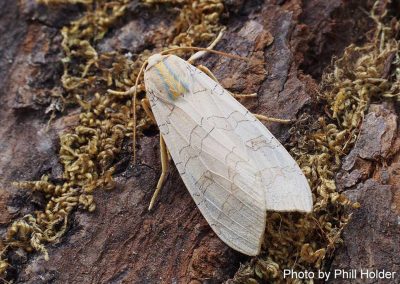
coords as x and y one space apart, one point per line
167 75
154 59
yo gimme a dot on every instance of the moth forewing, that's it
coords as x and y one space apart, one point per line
233 167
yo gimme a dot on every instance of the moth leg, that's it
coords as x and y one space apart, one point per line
243 96
164 170
271 119
147 109
165 156
212 76
126 93
200 54
208 72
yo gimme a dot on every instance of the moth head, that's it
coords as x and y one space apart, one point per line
154 59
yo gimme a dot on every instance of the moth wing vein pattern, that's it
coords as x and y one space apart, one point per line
233 167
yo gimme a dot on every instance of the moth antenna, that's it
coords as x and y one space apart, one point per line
211 51
134 109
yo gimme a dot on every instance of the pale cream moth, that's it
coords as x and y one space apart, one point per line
233 167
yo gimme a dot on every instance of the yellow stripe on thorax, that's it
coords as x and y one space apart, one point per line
176 87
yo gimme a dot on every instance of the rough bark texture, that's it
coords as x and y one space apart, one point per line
123 242
371 175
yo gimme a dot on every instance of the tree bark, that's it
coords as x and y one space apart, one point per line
122 241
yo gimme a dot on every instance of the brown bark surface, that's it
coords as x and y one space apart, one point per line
121 242
370 175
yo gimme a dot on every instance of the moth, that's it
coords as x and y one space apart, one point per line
233 167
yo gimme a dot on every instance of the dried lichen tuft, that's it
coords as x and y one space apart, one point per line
90 150
57 2
362 74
